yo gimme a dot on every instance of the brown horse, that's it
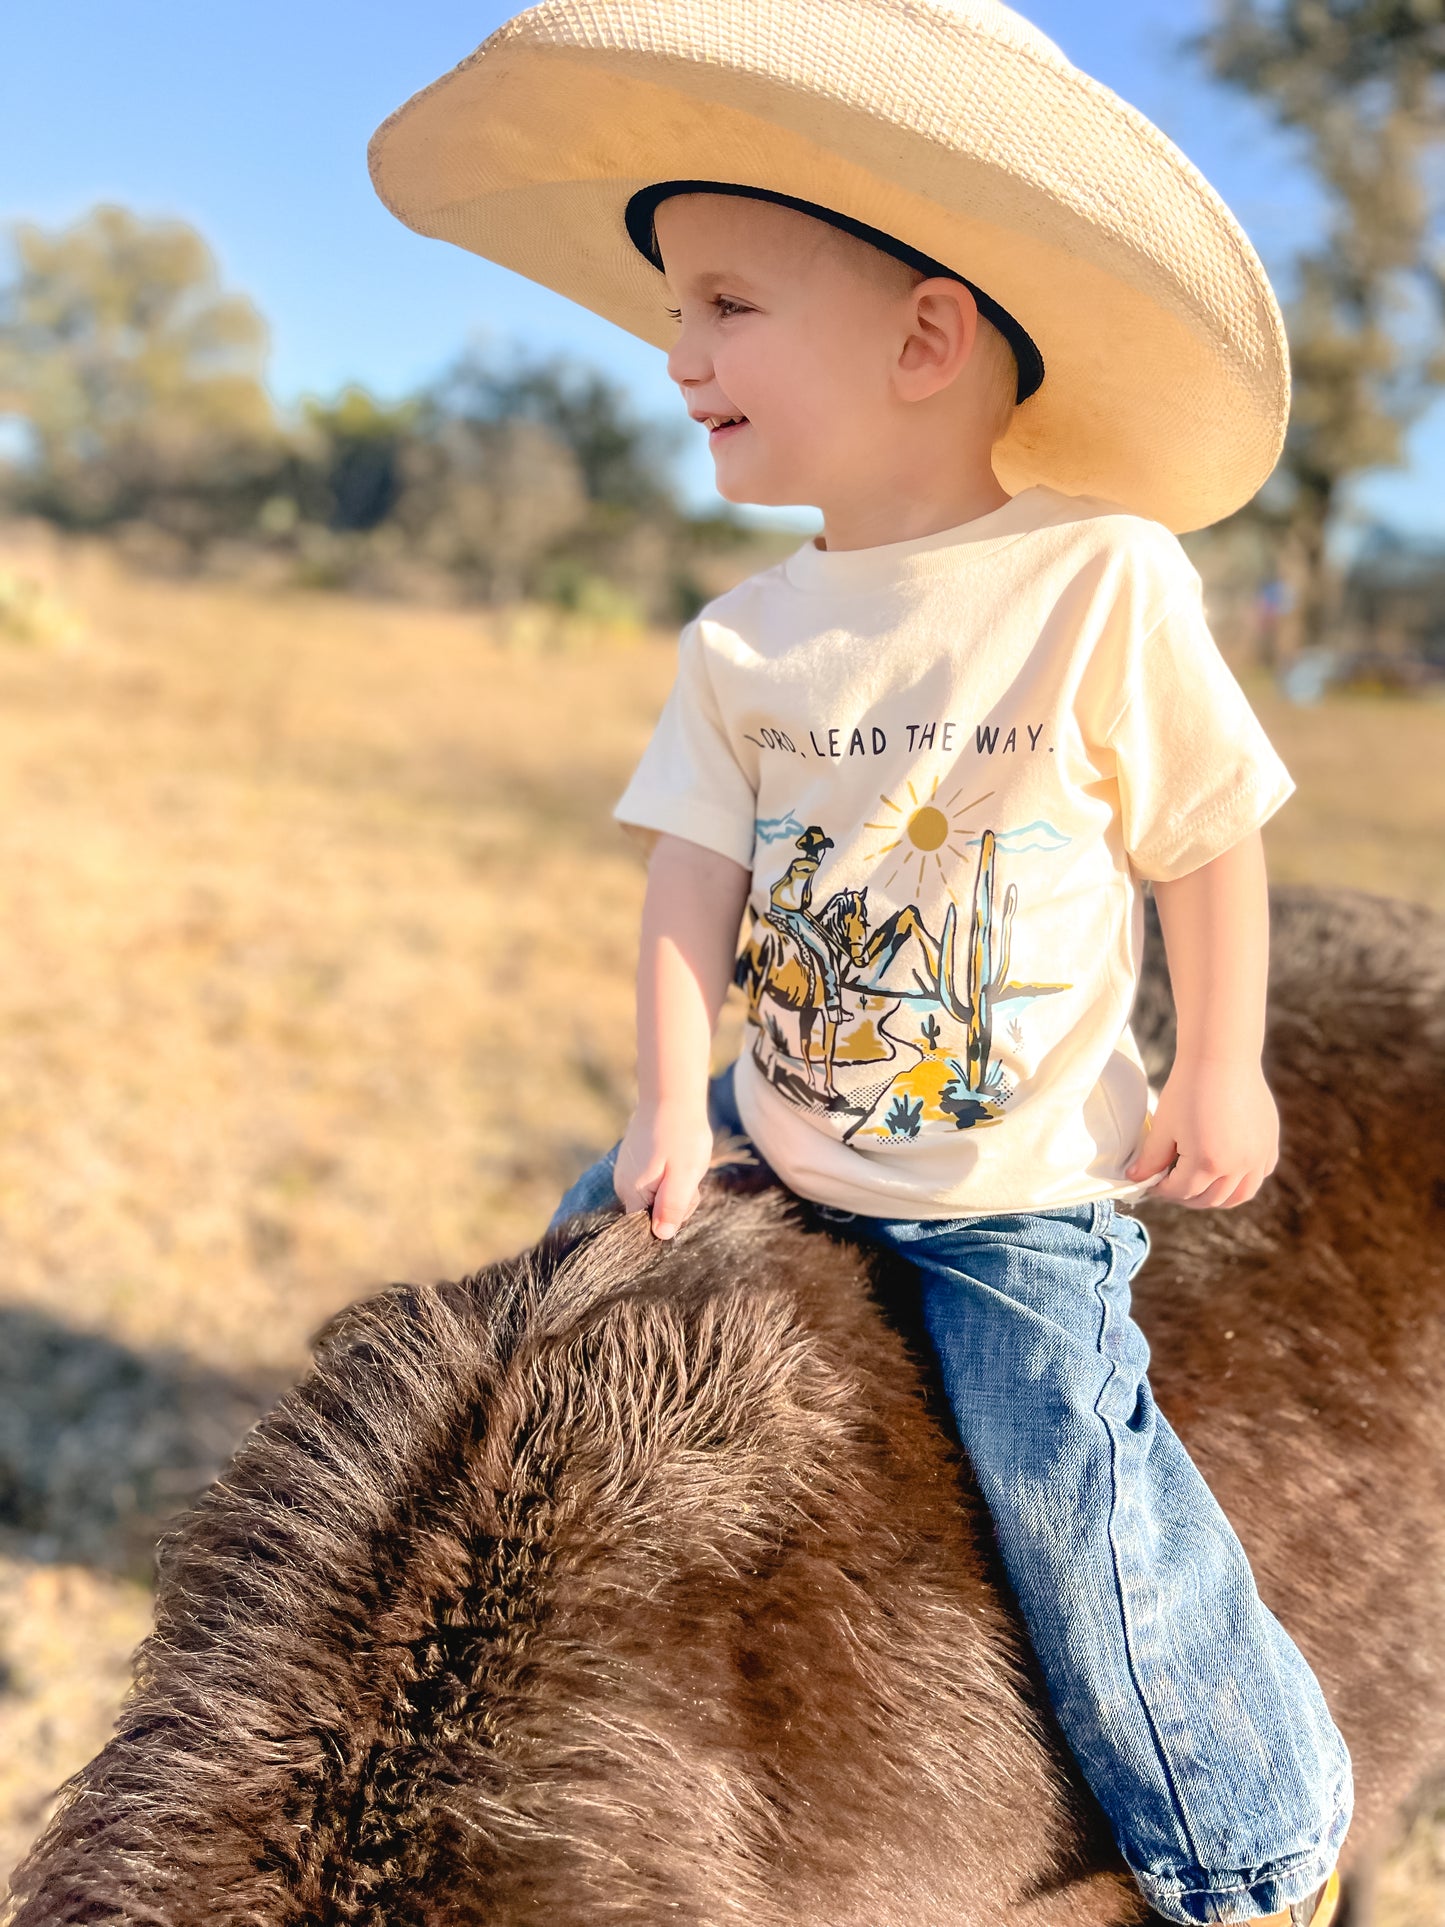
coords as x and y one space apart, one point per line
633 1582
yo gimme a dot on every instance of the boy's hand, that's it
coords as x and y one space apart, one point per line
664 1152
1219 1117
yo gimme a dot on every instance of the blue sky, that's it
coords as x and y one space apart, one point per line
251 122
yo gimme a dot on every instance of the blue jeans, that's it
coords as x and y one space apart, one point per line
1193 1716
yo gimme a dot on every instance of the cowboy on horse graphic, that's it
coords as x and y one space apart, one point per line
805 960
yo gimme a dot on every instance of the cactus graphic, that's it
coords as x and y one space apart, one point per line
932 1031
903 1118
988 962
985 974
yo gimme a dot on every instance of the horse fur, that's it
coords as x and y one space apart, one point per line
629 1581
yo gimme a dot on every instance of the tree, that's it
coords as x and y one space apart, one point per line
1364 82
559 488
488 500
356 446
623 463
140 379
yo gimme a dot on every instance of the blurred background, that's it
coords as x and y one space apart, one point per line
340 581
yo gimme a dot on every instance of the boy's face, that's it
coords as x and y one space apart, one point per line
803 330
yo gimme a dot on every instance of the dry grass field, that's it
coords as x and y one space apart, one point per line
318 950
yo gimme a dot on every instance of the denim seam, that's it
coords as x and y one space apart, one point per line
1116 1250
1324 1855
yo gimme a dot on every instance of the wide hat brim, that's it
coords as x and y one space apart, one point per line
951 124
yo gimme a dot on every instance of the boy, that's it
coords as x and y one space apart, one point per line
934 755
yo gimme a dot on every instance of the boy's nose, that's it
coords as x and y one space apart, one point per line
689 367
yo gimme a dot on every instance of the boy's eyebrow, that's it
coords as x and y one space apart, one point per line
717 277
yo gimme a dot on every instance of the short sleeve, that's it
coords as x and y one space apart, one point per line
1196 772
689 781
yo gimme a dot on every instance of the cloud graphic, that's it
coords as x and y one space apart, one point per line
1037 835
772 829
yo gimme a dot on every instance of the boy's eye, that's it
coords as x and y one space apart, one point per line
719 300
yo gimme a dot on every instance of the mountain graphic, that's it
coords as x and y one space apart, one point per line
772 829
1037 835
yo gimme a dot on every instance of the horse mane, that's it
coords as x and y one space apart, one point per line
620 1570
834 915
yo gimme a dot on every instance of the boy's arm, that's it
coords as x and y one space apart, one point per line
690 920
1215 1109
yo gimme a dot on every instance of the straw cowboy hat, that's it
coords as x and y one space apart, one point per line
948 131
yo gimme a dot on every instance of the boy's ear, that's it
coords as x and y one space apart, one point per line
945 324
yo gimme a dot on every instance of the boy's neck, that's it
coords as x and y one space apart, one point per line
868 525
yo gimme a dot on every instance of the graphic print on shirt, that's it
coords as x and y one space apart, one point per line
879 1023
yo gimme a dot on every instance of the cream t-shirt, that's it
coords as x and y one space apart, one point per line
947 763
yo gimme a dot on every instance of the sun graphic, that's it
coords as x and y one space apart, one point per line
921 829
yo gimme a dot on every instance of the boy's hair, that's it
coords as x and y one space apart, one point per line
996 371
998 377
997 367
856 241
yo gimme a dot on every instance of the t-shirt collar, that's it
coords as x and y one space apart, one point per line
891 564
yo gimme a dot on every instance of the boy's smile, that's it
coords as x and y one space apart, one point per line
851 381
